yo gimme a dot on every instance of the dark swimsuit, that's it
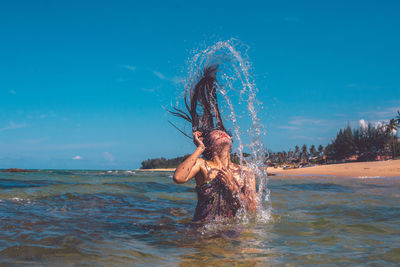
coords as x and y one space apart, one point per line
215 200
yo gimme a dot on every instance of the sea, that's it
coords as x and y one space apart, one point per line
142 218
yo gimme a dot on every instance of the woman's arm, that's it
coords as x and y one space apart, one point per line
191 166
250 191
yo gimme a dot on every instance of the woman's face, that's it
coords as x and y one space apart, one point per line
219 137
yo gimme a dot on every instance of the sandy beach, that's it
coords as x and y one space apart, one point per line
388 168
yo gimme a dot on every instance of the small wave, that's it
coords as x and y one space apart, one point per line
34 253
228 228
17 199
264 216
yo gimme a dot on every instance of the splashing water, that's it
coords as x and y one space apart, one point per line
237 87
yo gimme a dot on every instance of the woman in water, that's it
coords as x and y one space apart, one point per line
220 190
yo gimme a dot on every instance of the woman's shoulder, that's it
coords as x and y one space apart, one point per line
201 161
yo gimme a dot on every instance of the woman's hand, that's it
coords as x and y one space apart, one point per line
227 178
198 140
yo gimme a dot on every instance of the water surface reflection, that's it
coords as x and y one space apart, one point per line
122 218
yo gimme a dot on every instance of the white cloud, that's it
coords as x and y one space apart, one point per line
80 146
108 156
159 75
33 141
75 146
381 114
288 127
299 123
11 126
178 80
310 138
378 124
128 67
363 124
41 146
77 158
302 121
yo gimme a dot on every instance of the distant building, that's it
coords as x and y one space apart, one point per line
352 158
383 157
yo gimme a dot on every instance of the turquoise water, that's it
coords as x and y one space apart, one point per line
122 218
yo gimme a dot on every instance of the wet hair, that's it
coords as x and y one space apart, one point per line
202 106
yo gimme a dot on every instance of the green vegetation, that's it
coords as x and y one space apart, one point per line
361 144
366 143
298 156
161 163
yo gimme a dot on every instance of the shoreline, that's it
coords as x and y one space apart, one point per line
369 169
389 168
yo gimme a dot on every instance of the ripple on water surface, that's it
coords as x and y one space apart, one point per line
119 218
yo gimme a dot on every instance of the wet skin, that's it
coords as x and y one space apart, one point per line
219 166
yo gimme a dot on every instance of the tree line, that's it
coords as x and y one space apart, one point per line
364 143
162 163
297 156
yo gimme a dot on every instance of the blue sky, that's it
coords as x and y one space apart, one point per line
82 83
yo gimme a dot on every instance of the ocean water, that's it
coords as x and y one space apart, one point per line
123 218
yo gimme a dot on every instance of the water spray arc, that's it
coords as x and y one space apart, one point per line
234 73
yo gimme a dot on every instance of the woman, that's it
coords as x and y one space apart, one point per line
220 190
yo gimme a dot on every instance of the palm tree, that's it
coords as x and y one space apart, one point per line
397 120
297 153
320 150
304 153
313 151
391 128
